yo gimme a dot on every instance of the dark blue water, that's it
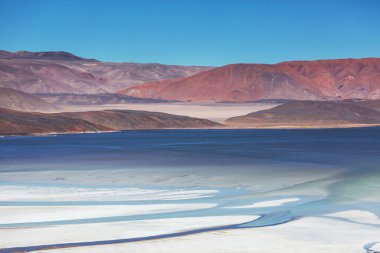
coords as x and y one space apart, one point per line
351 148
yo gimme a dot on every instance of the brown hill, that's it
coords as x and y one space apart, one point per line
371 104
129 119
20 123
61 72
15 122
297 80
21 101
309 114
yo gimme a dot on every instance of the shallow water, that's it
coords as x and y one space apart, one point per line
327 170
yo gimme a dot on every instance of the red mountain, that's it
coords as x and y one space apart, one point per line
301 80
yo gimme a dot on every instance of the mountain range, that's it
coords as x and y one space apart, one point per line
62 72
322 93
59 56
295 80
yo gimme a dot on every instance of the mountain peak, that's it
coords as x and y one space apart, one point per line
50 55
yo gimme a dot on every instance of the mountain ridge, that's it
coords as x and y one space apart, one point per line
47 55
54 73
296 80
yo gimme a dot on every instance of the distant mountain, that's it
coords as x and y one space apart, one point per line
92 99
20 123
61 72
310 114
21 101
58 56
296 80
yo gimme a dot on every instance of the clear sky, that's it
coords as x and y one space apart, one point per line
194 32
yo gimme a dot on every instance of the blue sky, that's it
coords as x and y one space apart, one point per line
194 32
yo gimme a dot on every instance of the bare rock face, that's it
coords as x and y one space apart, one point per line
296 80
21 101
310 114
62 72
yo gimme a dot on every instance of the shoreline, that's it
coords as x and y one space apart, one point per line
280 127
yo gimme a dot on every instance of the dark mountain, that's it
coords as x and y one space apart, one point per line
19 123
130 119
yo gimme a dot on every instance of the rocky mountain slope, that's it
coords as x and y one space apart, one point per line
18 100
62 72
296 80
91 99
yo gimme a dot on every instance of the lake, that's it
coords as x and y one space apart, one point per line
201 180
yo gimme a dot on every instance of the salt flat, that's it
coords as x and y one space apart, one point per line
357 216
48 193
269 203
28 236
314 235
24 214
213 111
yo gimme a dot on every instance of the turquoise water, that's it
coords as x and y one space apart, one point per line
328 170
